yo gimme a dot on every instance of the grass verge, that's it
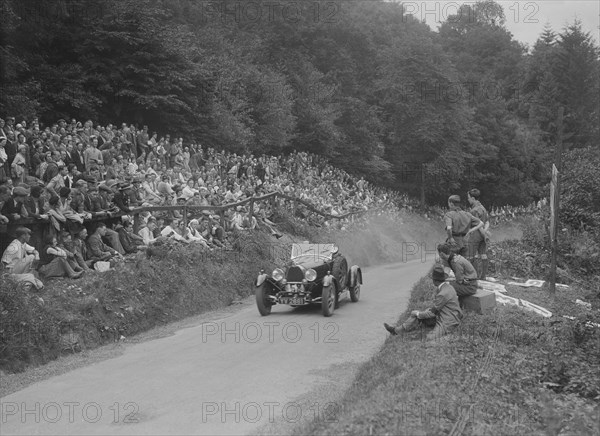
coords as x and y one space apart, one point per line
511 372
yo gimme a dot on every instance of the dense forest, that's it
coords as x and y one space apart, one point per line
360 82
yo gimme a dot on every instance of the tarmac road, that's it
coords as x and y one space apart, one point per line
241 374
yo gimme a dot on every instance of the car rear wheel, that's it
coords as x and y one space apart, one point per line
262 300
355 293
340 271
328 300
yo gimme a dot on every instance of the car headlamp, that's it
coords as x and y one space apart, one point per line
277 274
310 275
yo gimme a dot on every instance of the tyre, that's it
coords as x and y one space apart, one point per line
355 293
340 272
328 300
262 300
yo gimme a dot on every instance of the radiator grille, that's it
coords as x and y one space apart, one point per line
295 274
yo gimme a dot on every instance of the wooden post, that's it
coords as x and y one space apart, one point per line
251 208
185 216
555 200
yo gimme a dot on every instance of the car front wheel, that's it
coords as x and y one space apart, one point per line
262 300
328 300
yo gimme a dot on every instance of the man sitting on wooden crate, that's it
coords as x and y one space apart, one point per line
465 284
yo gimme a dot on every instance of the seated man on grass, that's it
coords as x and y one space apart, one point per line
465 284
19 256
98 250
444 316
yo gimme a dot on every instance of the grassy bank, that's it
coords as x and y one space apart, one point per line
511 372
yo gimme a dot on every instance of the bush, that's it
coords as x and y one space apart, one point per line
580 199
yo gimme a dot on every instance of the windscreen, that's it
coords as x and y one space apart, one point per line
318 251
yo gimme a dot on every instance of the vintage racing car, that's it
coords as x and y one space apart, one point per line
316 274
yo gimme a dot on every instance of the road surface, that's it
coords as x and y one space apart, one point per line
241 374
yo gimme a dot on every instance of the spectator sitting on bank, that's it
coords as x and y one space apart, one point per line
164 188
13 207
35 206
444 315
76 244
217 231
147 232
237 219
98 250
19 256
57 219
74 220
54 261
188 190
248 222
194 234
169 231
465 283
121 197
131 242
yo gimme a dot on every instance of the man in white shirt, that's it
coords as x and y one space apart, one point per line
19 256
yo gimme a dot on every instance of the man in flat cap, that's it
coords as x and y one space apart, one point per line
19 256
444 315
13 207
459 224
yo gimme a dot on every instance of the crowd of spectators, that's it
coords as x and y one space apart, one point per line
86 182
508 213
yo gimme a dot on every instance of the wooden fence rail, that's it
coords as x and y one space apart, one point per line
39 227
220 210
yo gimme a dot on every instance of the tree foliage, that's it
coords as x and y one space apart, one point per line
361 83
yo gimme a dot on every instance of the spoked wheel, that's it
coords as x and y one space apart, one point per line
328 300
340 271
262 300
355 293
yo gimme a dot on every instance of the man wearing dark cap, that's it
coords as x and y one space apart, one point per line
444 315
13 208
121 197
459 224
19 256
